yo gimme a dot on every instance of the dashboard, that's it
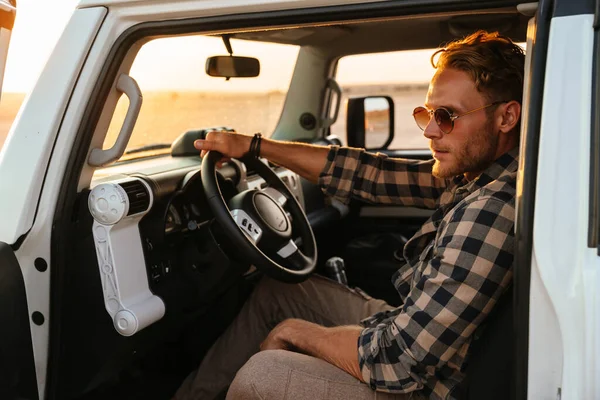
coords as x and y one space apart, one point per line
170 245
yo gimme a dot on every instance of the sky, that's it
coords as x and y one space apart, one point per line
39 24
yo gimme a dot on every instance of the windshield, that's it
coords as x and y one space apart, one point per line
402 75
179 96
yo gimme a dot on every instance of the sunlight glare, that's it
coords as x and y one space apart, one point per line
37 28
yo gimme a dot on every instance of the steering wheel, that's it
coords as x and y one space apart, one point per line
262 223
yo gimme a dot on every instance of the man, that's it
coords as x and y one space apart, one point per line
320 339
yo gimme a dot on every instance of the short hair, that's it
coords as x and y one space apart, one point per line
495 63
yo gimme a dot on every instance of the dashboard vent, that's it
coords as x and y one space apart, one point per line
138 195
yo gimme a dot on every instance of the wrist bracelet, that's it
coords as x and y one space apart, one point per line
254 150
258 141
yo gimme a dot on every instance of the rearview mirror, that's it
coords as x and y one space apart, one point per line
232 67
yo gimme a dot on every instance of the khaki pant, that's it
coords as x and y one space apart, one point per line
279 374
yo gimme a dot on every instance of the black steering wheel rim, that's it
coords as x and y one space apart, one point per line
240 240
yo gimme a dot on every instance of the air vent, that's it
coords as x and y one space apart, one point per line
138 195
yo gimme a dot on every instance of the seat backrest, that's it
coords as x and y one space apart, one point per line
490 363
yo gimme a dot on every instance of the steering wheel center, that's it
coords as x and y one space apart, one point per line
271 213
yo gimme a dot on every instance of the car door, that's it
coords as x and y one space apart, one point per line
558 222
17 371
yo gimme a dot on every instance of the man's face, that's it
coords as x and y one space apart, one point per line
471 146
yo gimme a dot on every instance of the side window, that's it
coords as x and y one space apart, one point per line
402 75
11 102
179 96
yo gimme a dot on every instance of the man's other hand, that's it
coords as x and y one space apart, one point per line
279 337
337 345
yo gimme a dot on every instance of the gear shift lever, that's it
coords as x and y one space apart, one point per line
336 270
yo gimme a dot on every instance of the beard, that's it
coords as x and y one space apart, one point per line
475 156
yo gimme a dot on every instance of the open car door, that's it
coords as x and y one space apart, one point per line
17 373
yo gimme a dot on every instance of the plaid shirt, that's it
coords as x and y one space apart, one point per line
458 264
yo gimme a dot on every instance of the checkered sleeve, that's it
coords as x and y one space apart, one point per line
375 178
470 265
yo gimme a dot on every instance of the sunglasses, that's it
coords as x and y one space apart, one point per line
443 118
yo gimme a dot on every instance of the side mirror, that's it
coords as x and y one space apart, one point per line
232 67
370 122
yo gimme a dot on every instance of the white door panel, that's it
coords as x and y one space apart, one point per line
24 165
562 300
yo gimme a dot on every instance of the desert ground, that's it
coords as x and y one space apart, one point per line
165 115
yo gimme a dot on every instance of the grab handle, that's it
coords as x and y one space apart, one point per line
129 86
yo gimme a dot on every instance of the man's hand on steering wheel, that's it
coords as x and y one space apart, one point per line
229 144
